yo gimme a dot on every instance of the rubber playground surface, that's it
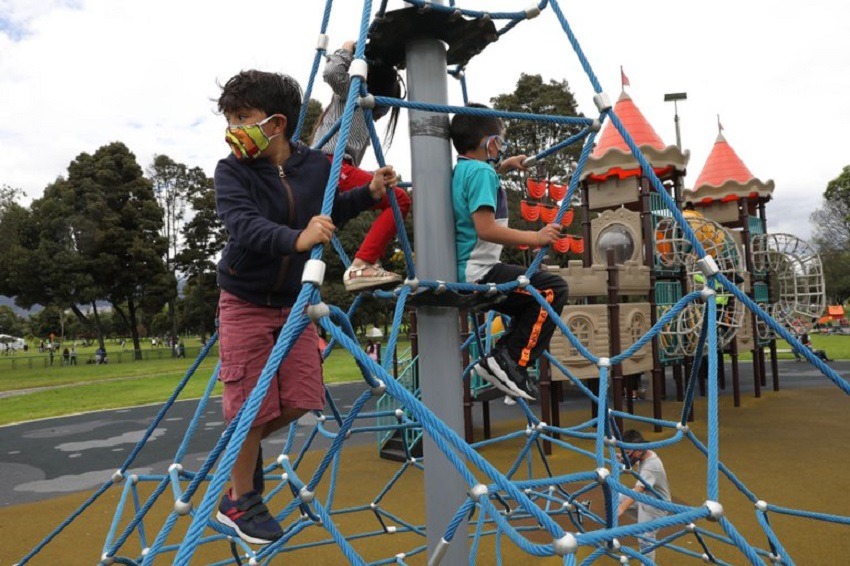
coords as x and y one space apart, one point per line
789 447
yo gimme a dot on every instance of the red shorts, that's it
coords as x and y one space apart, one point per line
247 334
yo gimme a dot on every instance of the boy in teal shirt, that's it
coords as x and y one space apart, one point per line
481 229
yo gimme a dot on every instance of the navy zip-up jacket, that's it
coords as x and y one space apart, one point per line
264 209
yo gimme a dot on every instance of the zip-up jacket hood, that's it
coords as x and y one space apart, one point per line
264 209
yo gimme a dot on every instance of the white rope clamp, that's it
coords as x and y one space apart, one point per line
314 272
322 42
532 12
317 311
715 510
602 102
567 544
708 266
367 101
359 68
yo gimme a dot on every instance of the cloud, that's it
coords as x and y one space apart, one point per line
78 75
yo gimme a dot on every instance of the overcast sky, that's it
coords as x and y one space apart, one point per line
78 74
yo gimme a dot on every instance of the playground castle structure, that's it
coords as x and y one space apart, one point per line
465 495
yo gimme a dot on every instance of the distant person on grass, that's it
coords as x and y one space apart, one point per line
269 195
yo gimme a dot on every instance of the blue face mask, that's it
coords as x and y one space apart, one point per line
499 144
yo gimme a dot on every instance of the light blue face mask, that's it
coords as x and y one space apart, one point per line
502 147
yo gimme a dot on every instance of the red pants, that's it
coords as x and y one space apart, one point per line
384 229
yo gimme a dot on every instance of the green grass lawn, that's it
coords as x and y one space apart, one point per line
837 347
123 382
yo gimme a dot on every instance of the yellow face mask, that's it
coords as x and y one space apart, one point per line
248 142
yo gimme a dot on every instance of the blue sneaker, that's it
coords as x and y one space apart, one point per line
249 517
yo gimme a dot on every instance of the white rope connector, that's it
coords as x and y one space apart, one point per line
541 426
317 311
253 561
602 102
614 544
715 510
314 272
523 281
491 289
359 68
478 490
117 477
399 413
182 508
391 529
706 293
175 466
602 475
305 495
532 12
705 558
690 527
708 266
609 440
134 479
322 42
761 505
596 125
567 544
379 388
281 459
604 362
624 559
106 559
413 284
682 427
367 101
441 287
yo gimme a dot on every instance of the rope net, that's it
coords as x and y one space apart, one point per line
533 505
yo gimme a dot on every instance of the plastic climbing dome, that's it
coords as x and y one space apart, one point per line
538 510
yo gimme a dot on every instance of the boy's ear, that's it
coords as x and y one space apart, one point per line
280 124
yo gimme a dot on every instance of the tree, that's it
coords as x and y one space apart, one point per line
832 236
169 180
204 238
314 110
11 323
532 95
97 237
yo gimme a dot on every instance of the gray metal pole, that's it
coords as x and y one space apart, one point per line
438 328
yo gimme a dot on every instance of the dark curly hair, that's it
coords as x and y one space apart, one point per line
272 93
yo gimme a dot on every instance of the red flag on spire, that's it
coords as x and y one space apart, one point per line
624 80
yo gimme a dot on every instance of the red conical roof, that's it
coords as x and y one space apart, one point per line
634 122
722 165
725 178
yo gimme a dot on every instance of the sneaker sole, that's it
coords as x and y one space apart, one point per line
225 520
509 386
360 283
505 387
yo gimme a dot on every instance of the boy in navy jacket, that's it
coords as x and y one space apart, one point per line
269 195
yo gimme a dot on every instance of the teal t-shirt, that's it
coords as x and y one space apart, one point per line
475 185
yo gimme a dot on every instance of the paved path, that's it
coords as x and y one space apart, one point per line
46 458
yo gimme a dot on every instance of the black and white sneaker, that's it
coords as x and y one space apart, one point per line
506 376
